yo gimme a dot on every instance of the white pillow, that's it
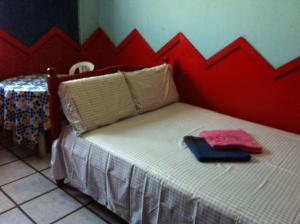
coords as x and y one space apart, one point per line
152 88
92 102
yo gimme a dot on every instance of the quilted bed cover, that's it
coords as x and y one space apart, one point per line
141 170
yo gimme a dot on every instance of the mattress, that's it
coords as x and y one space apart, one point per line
140 169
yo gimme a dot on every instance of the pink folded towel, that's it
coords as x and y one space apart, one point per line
222 139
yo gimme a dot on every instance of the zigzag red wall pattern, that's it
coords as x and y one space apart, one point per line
236 81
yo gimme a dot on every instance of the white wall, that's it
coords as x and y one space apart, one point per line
271 26
88 13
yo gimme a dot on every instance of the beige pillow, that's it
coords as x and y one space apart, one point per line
96 101
152 88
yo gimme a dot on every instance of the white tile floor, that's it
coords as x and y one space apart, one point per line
29 195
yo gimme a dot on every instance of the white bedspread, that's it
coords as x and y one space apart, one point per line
141 170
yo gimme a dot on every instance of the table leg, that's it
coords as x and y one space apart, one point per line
14 137
42 145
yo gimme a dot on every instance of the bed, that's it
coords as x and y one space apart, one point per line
140 168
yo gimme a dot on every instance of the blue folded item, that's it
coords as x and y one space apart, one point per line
205 153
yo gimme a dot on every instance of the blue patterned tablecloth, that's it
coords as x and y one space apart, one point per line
24 107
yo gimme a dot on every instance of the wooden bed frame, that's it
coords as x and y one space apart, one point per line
187 89
54 102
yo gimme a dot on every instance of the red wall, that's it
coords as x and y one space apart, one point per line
53 49
236 81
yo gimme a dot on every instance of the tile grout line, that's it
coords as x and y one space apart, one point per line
28 175
1 213
12 161
35 197
16 206
44 169
83 205
40 172
72 196
95 213
66 215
